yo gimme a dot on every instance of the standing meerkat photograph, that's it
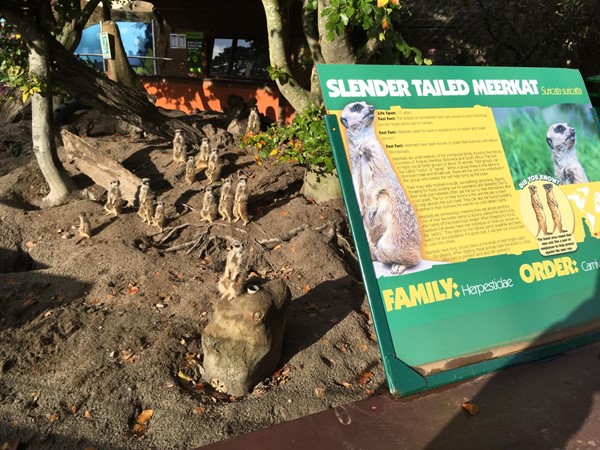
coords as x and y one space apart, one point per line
179 153
390 222
562 142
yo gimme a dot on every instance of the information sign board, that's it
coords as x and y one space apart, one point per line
473 195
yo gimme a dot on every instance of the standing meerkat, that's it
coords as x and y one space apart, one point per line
85 228
232 281
554 208
146 211
114 199
253 126
240 201
226 200
179 147
190 170
389 219
210 207
567 168
202 158
215 166
538 209
159 218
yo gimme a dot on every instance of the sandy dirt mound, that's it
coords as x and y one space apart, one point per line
95 332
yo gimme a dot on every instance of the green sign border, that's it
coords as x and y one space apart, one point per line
403 379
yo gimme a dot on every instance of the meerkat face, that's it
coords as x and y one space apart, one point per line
548 187
236 247
177 132
357 116
146 182
115 184
227 182
532 188
560 136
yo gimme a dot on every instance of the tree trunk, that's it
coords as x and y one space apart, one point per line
295 94
338 51
119 69
101 168
310 22
42 129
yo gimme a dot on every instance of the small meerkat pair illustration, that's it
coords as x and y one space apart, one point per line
538 209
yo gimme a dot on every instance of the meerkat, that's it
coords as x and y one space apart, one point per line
240 201
226 197
202 158
190 170
210 207
389 219
114 199
554 208
215 166
232 281
144 193
85 228
159 217
538 210
253 126
179 147
567 168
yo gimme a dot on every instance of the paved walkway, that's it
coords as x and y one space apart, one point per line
552 404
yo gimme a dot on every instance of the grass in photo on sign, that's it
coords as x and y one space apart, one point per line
523 135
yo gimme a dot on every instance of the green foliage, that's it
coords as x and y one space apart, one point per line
375 19
304 140
278 74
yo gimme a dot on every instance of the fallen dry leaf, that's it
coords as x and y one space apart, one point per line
319 392
132 289
10 445
73 409
139 428
199 409
284 213
53 418
88 415
29 244
144 416
345 384
471 408
128 356
365 377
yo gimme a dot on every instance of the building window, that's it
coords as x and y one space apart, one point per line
138 42
239 58
177 40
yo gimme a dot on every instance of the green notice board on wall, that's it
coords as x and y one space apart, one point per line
193 42
473 195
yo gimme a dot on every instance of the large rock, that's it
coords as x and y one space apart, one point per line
242 343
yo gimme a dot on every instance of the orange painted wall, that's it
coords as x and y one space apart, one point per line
185 94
